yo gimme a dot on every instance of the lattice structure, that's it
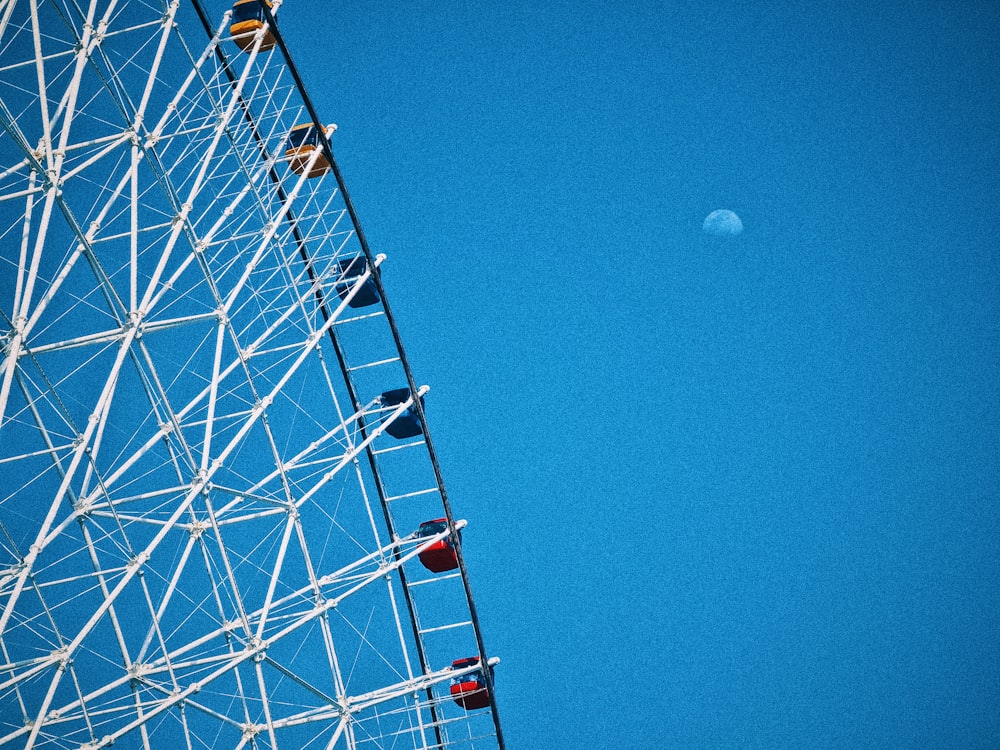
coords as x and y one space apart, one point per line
208 509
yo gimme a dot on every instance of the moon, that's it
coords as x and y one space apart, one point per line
722 223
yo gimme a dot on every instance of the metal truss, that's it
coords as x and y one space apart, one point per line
207 530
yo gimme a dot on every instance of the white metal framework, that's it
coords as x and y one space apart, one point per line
206 531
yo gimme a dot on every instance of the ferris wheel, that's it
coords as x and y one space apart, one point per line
222 521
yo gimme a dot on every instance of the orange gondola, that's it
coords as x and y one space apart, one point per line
302 141
248 17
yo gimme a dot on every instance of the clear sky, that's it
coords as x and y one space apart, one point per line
734 493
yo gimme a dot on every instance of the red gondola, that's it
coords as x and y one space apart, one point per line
247 19
470 690
441 555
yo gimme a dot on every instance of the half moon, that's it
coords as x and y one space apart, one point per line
722 223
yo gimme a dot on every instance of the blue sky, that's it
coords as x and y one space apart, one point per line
722 493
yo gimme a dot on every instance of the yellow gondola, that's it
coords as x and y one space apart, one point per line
302 141
247 19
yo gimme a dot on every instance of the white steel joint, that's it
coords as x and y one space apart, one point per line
250 731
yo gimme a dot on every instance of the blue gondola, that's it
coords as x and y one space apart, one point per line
352 267
407 424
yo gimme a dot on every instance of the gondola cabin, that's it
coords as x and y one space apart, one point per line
407 424
303 140
470 690
247 19
350 269
440 556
